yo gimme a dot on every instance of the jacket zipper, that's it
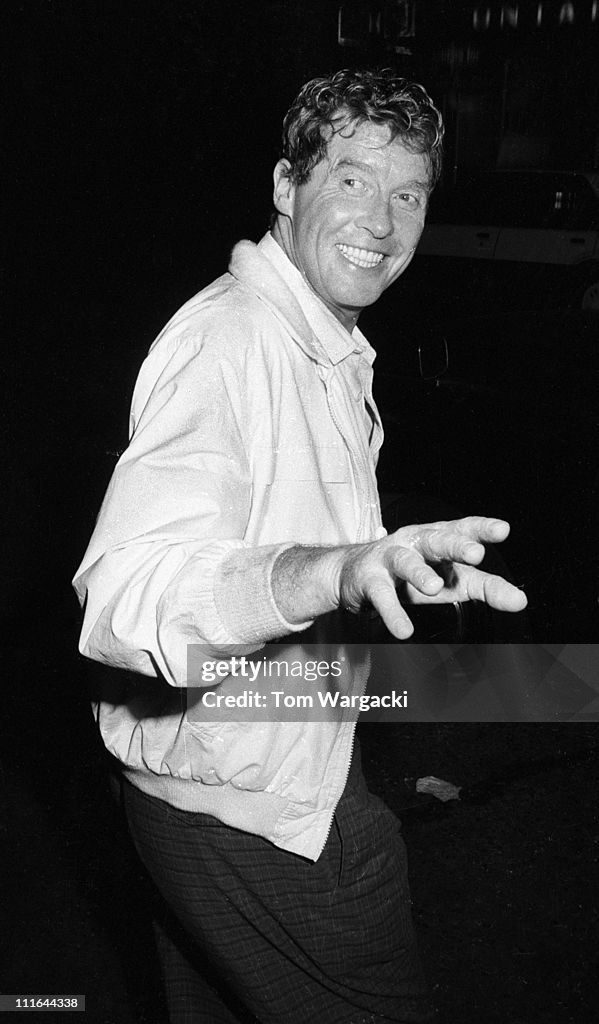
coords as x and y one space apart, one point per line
359 463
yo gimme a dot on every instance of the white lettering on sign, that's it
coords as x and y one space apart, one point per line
509 15
514 15
481 19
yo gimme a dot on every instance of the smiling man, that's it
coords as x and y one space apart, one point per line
351 229
245 511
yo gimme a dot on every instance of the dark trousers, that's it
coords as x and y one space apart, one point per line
250 933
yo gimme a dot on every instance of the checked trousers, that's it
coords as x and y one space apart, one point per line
251 934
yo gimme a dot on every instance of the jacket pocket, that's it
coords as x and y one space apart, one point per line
328 464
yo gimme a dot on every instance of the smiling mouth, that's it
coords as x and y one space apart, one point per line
364 258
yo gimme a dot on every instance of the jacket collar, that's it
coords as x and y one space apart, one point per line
266 270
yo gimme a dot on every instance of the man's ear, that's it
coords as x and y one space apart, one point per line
284 189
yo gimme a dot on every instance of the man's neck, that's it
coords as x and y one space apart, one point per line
282 233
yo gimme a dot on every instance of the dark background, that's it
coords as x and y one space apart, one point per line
138 145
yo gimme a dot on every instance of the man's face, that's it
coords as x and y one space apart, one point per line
352 228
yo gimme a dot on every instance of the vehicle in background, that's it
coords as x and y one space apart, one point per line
517 238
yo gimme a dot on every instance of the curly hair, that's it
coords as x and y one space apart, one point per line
350 97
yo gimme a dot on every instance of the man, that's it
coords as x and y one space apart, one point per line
243 512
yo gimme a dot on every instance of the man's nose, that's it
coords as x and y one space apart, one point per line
377 217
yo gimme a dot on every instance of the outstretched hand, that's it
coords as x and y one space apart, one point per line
435 563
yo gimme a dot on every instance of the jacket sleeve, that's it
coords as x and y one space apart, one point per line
167 565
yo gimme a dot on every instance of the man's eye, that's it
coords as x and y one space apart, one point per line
354 184
409 199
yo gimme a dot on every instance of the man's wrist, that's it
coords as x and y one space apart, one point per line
305 581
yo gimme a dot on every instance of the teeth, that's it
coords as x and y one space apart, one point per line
361 257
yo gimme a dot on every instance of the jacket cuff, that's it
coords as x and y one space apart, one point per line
244 599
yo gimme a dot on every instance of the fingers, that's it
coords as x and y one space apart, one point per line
495 591
409 566
379 587
447 545
459 540
380 591
371 572
493 531
456 556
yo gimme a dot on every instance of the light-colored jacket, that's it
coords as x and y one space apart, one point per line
253 428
